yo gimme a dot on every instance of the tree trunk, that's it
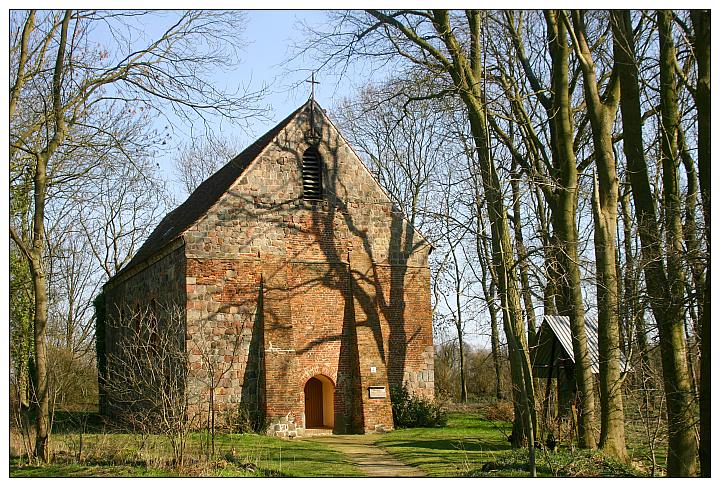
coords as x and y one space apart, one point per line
466 75
682 448
633 310
489 294
701 25
459 325
667 312
564 223
694 259
41 385
37 267
503 263
495 342
522 255
612 417
463 384
602 116
523 266
549 261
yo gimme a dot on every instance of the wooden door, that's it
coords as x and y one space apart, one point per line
313 403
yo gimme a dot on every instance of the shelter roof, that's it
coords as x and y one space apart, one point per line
557 329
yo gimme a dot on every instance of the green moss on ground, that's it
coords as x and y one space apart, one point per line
563 463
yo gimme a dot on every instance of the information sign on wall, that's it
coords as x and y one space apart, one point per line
377 392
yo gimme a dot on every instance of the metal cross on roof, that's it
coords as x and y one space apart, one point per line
314 137
312 84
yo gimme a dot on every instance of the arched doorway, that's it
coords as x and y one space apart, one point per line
319 402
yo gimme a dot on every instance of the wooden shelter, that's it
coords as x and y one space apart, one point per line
554 351
553 357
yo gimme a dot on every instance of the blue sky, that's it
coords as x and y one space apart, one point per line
269 35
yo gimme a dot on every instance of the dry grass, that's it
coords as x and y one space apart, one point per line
112 454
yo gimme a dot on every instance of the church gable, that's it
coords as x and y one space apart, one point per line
267 209
200 201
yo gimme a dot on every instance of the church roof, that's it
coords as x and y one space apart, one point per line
204 196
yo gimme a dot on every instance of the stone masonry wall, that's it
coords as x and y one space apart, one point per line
159 287
224 333
321 287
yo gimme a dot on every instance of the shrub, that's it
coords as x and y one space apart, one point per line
411 411
500 410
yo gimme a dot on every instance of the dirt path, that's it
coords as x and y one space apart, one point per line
374 461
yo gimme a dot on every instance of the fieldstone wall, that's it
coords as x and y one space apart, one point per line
225 335
158 289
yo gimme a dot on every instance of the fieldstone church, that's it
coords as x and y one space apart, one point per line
293 251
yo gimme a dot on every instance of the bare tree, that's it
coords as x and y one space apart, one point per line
118 210
217 361
65 93
665 304
683 448
73 280
453 270
701 43
430 40
602 108
487 280
560 189
199 159
147 384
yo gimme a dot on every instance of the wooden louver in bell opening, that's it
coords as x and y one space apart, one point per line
312 175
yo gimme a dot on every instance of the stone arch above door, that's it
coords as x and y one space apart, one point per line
330 373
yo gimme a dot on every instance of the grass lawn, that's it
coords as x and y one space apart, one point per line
125 455
464 445
461 449
77 470
469 442
289 458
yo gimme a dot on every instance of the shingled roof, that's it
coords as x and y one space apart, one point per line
204 197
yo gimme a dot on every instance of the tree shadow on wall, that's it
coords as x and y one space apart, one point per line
252 395
375 296
381 293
